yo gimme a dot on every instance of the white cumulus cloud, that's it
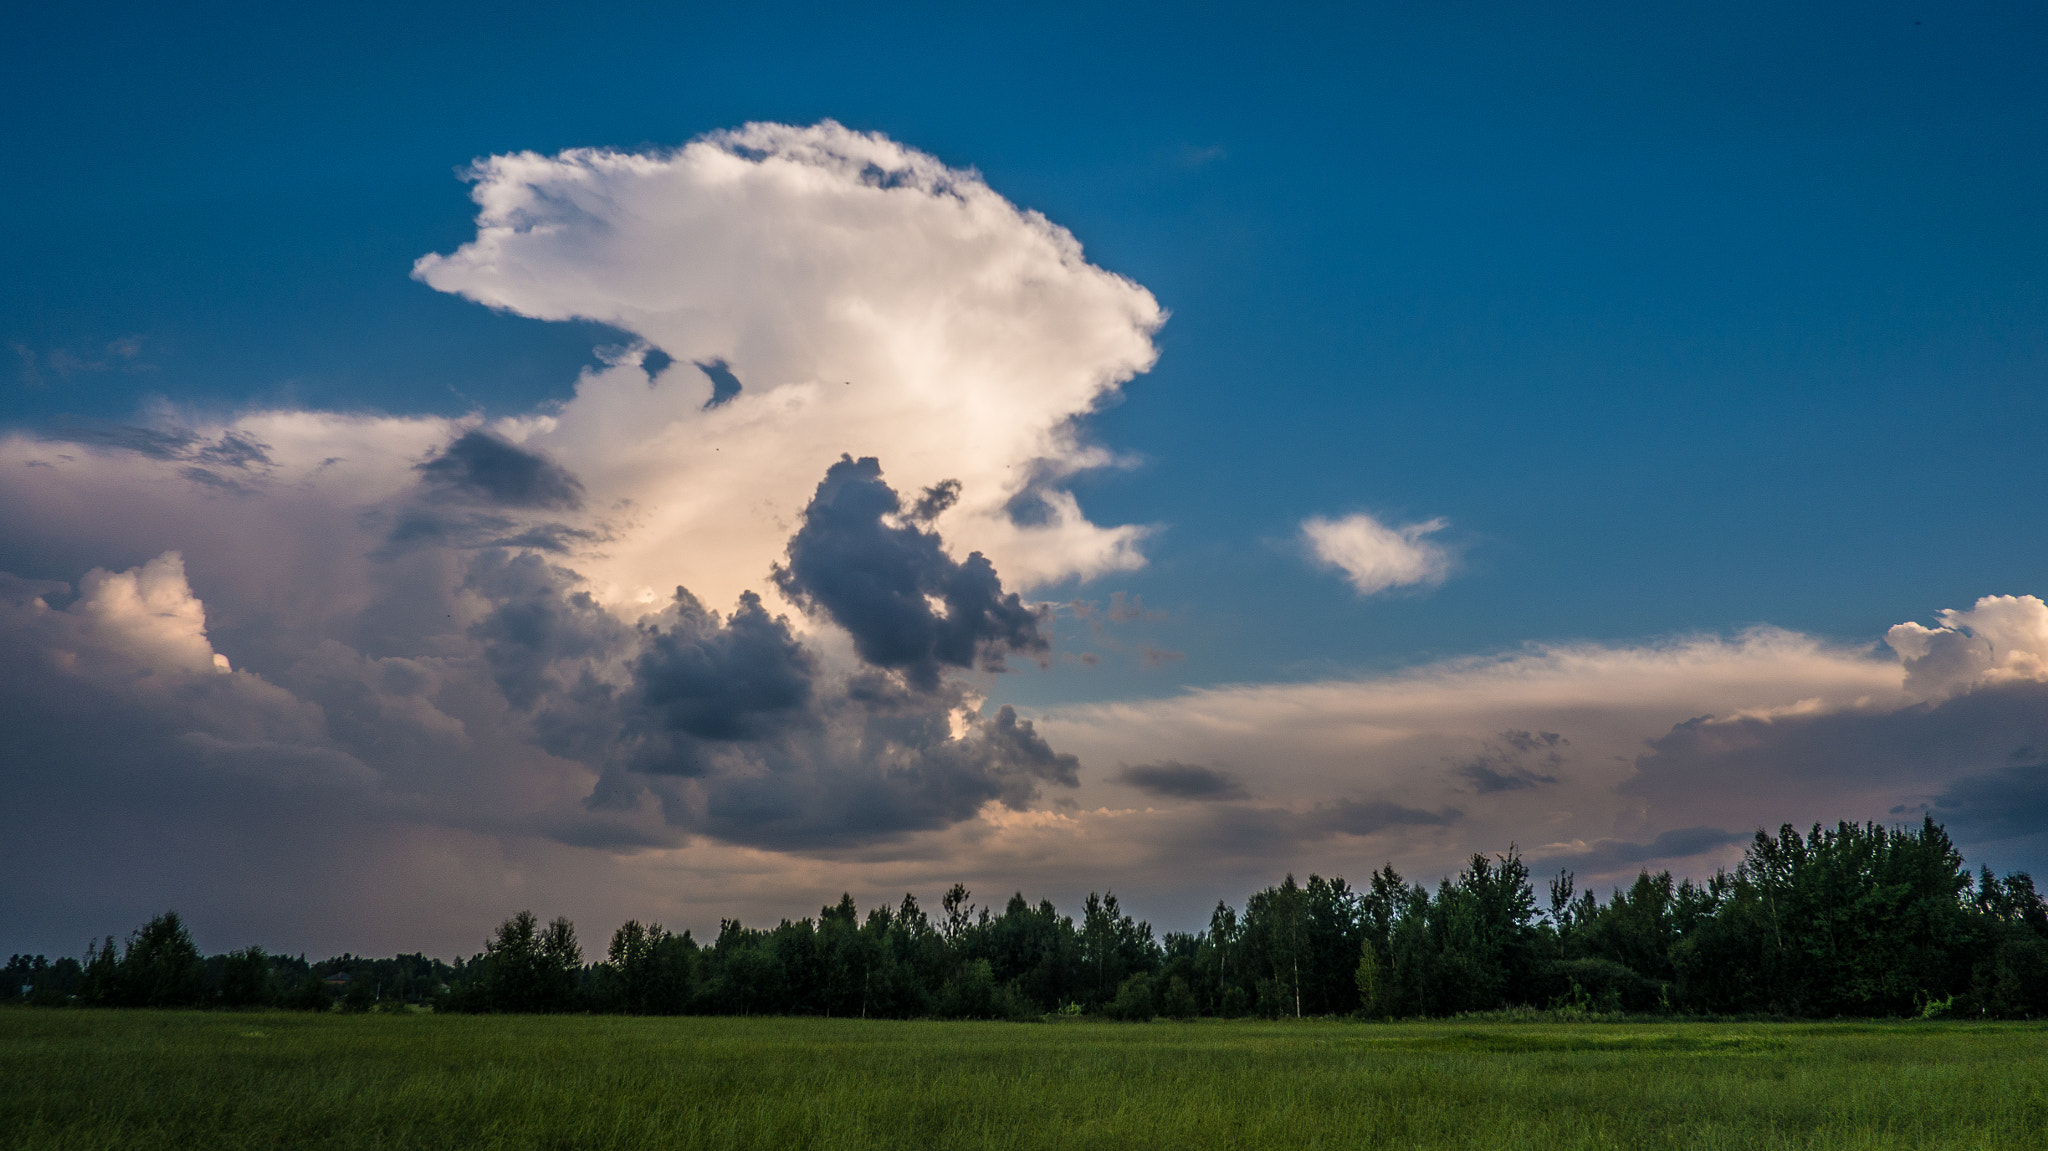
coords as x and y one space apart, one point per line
1375 557
2004 638
867 299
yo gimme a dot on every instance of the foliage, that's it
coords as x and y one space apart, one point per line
1856 920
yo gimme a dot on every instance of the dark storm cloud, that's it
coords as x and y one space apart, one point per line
1680 844
482 467
740 680
880 581
2004 804
1175 780
731 723
543 626
876 785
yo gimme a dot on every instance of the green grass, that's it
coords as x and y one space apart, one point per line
73 1078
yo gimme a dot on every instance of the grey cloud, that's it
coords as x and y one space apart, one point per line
18 592
1961 759
214 480
737 680
541 623
1511 763
865 779
1683 843
232 449
156 443
1175 780
235 450
1355 817
422 525
733 726
879 582
427 704
1257 834
482 467
934 502
2008 803
1907 748
724 385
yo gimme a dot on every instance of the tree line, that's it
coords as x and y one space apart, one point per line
1854 920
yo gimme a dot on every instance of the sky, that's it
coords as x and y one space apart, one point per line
680 461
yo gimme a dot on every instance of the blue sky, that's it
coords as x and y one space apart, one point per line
1685 321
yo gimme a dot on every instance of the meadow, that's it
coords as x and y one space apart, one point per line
128 1079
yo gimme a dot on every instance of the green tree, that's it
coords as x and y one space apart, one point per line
513 979
161 967
1366 977
245 978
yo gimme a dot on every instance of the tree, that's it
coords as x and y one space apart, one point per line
1366 976
513 980
245 978
161 967
561 966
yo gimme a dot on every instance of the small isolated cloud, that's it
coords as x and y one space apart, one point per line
1375 557
1175 780
1159 656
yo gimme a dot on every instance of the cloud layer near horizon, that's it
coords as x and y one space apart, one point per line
713 635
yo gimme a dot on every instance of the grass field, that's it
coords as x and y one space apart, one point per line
73 1078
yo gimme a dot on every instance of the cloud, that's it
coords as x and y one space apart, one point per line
541 659
736 728
150 614
1609 856
874 302
2007 803
1353 817
459 646
908 605
732 681
1427 765
1375 557
1510 765
1175 780
2002 639
483 467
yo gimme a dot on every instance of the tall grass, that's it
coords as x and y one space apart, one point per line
83 1079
